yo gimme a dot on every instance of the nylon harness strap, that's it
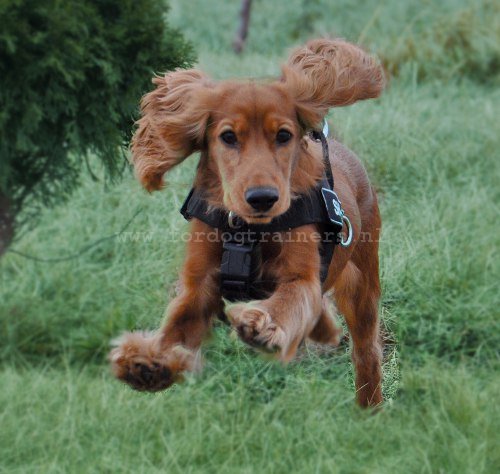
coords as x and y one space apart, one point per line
241 241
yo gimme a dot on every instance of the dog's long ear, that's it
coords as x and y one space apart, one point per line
330 73
173 123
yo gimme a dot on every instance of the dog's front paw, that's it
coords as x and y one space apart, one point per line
256 327
138 360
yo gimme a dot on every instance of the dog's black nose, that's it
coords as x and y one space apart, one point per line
262 198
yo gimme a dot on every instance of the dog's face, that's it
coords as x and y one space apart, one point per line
251 134
253 143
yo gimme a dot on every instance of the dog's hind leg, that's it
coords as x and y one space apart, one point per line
357 291
154 361
326 331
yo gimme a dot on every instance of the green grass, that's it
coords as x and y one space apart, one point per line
83 422
431 146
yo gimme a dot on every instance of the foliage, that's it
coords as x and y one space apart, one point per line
71 75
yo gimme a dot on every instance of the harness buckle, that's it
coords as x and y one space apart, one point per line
234 221
236 271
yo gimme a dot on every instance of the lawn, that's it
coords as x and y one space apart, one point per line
430 145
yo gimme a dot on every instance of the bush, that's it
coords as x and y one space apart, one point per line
71 76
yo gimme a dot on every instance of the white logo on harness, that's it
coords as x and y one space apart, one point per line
333 206
336 205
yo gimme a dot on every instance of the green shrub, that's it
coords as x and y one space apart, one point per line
71 76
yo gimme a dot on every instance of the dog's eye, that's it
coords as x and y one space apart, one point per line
283 136
229 138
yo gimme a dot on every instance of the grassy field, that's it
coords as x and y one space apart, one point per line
431 146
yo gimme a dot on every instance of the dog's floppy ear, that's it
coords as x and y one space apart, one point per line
330 73
172 126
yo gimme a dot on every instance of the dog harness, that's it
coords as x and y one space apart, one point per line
242 253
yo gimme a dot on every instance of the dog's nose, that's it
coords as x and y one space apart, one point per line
262 198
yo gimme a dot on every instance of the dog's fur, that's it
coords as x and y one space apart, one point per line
188 112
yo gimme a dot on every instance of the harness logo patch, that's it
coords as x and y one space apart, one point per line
333 206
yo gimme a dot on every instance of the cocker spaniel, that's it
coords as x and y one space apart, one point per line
257 157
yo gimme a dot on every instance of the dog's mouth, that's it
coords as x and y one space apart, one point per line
258 219
262 217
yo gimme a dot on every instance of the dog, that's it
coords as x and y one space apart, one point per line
253 135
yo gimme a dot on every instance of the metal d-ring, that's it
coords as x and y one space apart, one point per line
346 243
232 220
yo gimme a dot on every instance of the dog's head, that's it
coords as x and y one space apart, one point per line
252 135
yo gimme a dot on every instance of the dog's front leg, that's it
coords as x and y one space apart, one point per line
154 361
281 322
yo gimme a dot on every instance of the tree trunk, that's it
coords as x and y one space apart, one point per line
241 34
6 223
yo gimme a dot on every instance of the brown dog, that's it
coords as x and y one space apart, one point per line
253 135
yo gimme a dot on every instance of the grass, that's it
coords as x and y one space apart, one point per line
430 145
82 422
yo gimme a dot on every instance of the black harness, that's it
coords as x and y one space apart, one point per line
242 253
